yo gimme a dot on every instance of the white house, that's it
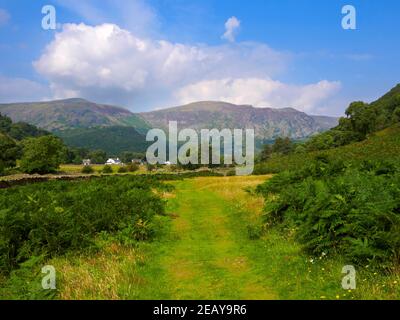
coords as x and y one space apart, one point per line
113 161
86 162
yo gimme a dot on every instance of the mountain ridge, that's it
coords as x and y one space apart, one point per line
77 113
269 123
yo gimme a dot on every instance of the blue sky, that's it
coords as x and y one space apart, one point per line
152 54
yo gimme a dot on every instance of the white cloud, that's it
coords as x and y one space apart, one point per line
260 93
21 90
4 17
110 64
231 27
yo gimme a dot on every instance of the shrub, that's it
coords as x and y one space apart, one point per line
350 210
133 167
122 169
42 155
51 218
151 167
87 170
107 169
8 152
231 173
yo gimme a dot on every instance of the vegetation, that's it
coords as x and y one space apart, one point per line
337 208
19 131
122 169
112 140
42 155
8 152
87 170
53 218
191 258
107 169
132 167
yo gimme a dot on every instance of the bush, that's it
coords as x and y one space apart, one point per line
150 167
122 169
107 169
42 155
133 167
231 173
87 170
350 210
48 219
8 152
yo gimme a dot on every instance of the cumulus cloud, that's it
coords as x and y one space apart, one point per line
231 27
21 90
260 93
110 64
4 17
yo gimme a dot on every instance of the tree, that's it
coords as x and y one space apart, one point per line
362 117
9 152
127 156
283 146
98 156
42 155
266 152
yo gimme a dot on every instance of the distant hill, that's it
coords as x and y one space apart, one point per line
268 123
71 114
20 130
114 140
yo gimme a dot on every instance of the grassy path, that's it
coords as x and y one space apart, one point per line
205 254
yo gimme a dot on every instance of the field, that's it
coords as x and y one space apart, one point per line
207 247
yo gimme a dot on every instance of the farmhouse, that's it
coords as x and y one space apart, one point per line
86 162
113 161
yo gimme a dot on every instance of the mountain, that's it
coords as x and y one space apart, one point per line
81 123
71 114
268 123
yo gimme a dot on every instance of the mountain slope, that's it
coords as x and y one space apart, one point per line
71 113
268 123
114 140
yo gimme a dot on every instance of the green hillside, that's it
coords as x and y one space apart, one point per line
113 140
380 146
71 114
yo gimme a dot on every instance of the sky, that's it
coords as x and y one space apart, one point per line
147 55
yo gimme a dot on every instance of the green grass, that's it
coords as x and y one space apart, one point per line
204 252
